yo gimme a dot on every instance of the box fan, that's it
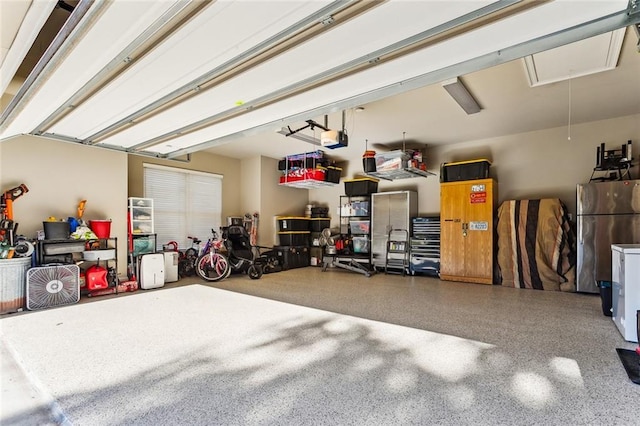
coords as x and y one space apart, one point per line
54 285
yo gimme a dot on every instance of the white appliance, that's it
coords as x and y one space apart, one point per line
625 289
171 266
334 139
151 271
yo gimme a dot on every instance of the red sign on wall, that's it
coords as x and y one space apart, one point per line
478 197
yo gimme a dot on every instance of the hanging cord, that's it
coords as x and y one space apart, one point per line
569 120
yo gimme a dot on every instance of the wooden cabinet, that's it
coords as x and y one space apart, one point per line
467 233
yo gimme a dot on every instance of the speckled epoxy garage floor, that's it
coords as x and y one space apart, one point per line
335 347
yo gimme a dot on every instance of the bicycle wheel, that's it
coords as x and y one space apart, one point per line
212 267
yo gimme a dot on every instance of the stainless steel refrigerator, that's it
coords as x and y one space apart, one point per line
608 213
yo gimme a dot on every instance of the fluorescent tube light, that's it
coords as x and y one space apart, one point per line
461 95
300 136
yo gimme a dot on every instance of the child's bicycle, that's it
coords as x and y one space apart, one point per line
212 265
187 258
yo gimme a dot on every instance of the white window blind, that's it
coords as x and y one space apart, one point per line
185 203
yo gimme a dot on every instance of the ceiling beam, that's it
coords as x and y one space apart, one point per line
464 23
579 32
312 26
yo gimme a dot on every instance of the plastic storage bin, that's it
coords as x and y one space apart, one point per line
144 245
292 224
56 230
360 186
332 174
13 276
360 244
63 247
392 160
359 226
97 255
299 238
293 257
321 212
465 170
140 215
318 224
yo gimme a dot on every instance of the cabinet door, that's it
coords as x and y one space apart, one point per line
452 239
466 220
479 236
379 227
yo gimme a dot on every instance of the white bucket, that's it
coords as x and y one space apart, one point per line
307 211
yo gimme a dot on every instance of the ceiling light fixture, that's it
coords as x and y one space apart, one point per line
287 131
461 95
300 136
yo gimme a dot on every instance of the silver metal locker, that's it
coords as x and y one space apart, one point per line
389 210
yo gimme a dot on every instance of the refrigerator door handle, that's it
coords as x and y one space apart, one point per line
581 241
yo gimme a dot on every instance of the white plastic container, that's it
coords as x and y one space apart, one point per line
95 255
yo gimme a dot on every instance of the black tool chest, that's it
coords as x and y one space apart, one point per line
425 246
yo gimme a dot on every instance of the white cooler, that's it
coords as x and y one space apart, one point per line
625 289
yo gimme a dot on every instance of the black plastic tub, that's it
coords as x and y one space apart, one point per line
292 224
300 238
318 224
360 186
465 170
292 257
56 230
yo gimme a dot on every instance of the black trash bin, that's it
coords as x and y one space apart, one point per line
605 296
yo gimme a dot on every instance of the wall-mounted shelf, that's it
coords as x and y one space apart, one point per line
307 179
399 164
307 184
308 170
406 173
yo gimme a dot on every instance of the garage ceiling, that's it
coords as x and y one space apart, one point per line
170 78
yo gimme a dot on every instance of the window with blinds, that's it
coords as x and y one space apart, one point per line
186 203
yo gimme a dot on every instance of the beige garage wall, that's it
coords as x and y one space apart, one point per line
544 164
59 175
277 200
541 164
262 194
229 168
